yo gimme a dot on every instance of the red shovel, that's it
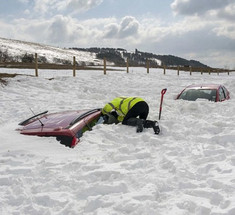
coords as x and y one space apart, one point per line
163 93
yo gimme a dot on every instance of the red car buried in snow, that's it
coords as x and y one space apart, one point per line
211 92
67 126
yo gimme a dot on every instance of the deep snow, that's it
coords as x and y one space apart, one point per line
187 169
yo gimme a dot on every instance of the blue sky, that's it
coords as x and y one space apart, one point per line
192 29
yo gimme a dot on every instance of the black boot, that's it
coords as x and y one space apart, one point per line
140 124
135 122
152 124
156 127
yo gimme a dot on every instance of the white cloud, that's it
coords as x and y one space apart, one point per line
218 15
7 30
227 13
46 6
227 30
78 5
189 37
128 27
59 29
30 30
198 7
111 30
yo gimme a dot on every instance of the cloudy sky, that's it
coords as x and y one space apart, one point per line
202 30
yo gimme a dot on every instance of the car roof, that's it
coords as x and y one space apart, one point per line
204 86
61 119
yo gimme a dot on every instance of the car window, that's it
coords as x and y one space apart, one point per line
221 94
82 115
225 92
194 94
94 122
88 126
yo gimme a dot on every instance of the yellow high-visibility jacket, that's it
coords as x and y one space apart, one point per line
121 105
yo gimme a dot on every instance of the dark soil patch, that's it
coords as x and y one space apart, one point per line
3 77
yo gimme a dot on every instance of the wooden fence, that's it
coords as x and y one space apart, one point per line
36 66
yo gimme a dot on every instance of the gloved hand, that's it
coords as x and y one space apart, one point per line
105 118
114 113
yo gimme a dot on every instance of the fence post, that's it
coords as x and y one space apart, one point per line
228 72
201 71
190 70
104 66
147 62
164 69
36 64
74 66
127 65
209 71
178 70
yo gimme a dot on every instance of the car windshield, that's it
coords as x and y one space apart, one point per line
194 94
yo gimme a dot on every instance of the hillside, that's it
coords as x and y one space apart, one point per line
20 51
138 58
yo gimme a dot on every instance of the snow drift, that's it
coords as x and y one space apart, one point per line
187 169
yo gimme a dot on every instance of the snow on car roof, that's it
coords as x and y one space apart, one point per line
204 86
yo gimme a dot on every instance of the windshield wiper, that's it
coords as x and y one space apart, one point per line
27 120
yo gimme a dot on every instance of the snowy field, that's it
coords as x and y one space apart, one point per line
188 169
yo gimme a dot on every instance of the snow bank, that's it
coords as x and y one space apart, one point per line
188 169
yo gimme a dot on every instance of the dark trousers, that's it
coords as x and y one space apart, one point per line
140 109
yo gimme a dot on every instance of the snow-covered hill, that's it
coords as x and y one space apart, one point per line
16 49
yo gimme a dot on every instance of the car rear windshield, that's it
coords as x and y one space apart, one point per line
194 94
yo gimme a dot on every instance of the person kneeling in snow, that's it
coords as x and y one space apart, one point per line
126 110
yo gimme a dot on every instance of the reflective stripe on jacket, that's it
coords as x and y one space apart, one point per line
122 105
